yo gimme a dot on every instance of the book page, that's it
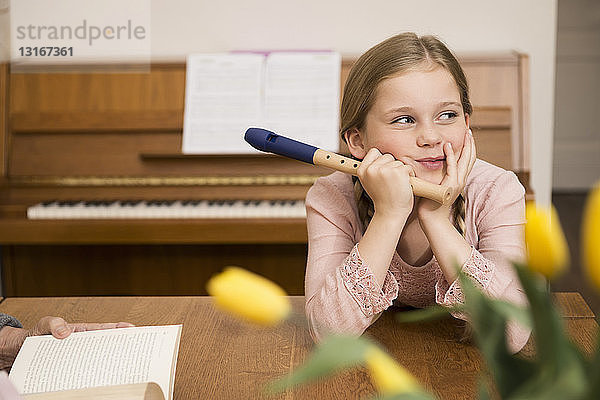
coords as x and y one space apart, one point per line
302 97
223 96
98 358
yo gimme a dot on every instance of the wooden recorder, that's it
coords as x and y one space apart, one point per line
268 141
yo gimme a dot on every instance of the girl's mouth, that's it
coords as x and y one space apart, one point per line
433 164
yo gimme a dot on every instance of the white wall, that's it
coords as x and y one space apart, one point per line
352 26
577 138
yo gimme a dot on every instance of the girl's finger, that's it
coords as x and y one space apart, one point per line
473 153
372 155
451 169
465 156
384 159
369 158
472 159
411 170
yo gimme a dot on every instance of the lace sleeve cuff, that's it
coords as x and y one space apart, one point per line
362 286
8 320
477 267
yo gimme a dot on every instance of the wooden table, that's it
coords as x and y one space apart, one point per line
221 358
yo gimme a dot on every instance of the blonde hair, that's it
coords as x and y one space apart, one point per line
398 54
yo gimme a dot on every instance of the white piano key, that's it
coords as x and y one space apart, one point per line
175 209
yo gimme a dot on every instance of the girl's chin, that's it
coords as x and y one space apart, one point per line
434 177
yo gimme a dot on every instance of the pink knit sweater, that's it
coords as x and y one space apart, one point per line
342 295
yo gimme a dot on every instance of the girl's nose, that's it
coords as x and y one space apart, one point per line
429 137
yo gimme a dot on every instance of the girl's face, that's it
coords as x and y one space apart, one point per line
414 115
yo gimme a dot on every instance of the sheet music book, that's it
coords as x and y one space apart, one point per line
295 94
102 358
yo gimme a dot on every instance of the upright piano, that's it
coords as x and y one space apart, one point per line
97 198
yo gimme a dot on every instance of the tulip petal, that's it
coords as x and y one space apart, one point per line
249 296
388 376
547 250
591 237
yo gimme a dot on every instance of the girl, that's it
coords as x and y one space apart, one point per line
405 112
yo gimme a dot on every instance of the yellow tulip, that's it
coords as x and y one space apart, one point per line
547 250
590 236
388 376
249 296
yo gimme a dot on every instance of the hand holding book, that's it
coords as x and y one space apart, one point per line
128 363
11 339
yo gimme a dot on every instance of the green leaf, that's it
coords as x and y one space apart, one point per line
508 310
561 366
408 396
594 374
552 343
569 382
425 314
489 327
334 353
483 392
512 312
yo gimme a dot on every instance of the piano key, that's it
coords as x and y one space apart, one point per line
105 209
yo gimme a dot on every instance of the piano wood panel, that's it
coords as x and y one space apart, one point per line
502 80
114 154
51 270
106 121
77 153
53 93
167 231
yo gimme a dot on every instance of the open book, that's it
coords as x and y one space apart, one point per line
111 363
295 94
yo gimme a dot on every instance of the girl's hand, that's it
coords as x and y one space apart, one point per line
456 176
386 181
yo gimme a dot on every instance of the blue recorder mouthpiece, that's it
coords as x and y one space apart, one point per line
264 140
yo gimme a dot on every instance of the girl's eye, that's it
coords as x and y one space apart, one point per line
448 115
404 120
